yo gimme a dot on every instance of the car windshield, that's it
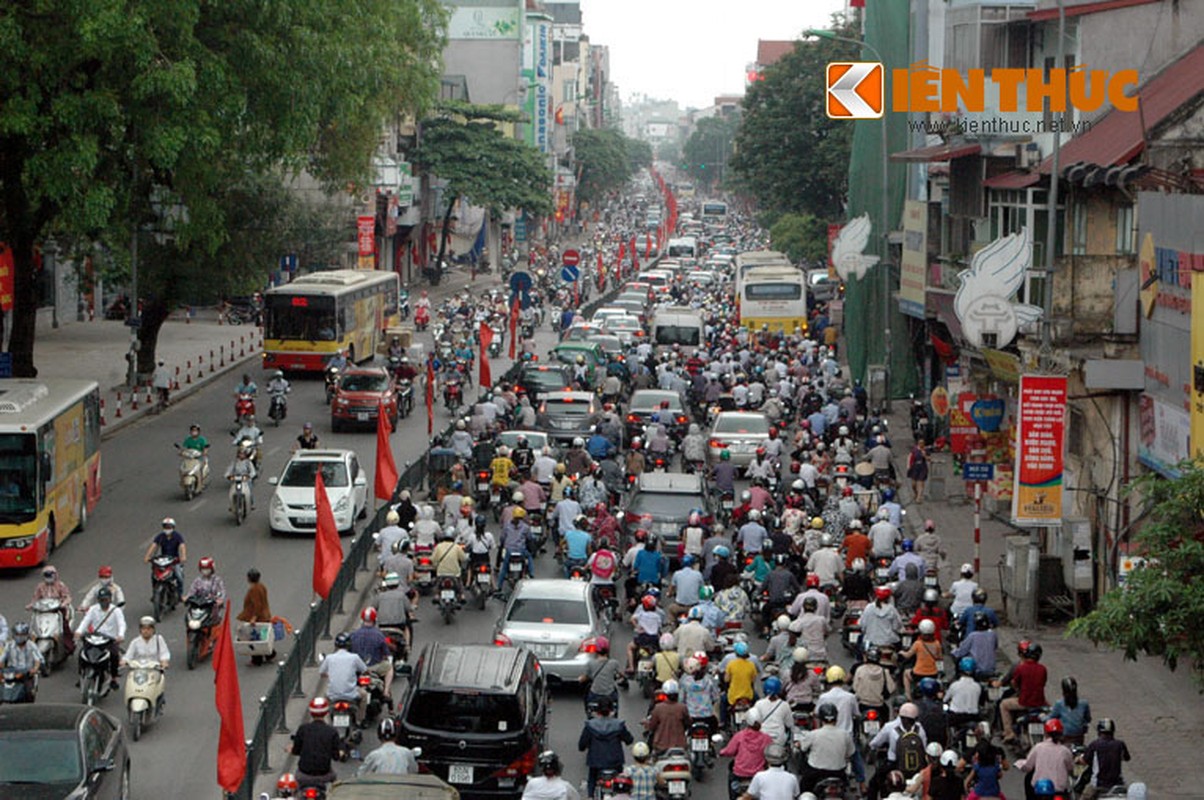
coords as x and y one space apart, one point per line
466 711
549 610
303 473
40 757
365 383
664 506
741 424
579 333
545 380
688 335
641 401
564 408
18 477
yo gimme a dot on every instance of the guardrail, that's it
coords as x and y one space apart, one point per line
286 685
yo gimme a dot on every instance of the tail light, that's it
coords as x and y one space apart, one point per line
819 670
483 475
700 732
424 562
502 640
364 680
342 705
588 646
871 715
682 419
632 418
521 766
483 569
675 766
715 443
311 792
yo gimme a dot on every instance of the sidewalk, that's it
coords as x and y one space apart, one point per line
1156 710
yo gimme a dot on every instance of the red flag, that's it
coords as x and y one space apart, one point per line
514 327
328 550
232 740
486 375
647 245
601 272
386 469
430 395
622 250
856 3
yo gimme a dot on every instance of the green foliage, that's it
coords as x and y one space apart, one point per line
1158 610
789 155
110 103
706 153
802 237
604 157
639 154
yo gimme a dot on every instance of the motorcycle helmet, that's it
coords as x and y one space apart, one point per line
1105 725
578 442
387 729
817 523
909 711
979 597
670 688
775 755
1044 787
21 632
168 522
928 687
602 645
931 597
797 486
740 649
835 674
745 496
812 581
479 522
392 518
725 455
722 551
549 762
1034 652
772 685
391 580
648 602
908 545
967 665
640 751
287 784
706 593
872 656
826 540
927 627
782 622
696 613
967 571
342 641
104 593
888 495
949 759
368 615
858 565
846 491
854 524
666 641
982 622
827 713
799 655
755 515
319 707
104 572
449 534
518 513
882 593
933 750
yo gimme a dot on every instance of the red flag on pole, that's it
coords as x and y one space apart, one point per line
647 245
622 251
601 272
486 375
430 395
514 327
232 740
328 550
386 469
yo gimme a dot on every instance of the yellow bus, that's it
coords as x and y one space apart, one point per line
307 321
774 297
49 465
757 258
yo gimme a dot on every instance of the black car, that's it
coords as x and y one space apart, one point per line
537 379
480 715
62 750
646 402
661 503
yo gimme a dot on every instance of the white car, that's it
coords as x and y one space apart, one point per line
292 508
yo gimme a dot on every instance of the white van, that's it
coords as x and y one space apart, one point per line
677 325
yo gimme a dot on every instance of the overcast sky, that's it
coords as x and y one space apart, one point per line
693 50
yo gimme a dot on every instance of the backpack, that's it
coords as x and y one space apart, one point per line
909 753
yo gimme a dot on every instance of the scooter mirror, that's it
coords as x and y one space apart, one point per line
417 751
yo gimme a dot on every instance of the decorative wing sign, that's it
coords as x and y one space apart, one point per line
983 303
847 250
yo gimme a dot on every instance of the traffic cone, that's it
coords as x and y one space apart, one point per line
118 414
102 412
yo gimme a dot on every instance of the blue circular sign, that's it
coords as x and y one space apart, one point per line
569 273
520 282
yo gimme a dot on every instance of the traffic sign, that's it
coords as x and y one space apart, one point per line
520 282
570 258
569 273
974 471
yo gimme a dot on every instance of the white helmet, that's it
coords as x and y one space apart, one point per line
392 518
782 622
670 687
754 515
799 655
927 626
517 497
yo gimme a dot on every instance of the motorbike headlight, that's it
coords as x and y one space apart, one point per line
194 624
140 677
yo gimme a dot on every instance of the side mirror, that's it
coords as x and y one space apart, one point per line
273 480
417 751
360 480
105 765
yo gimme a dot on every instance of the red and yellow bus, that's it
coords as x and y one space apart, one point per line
49 465
309 320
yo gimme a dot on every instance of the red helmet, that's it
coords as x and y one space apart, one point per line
649 602
641 535
846 491
773 433
105 572
882 593
205 563
599 508
760 452
319 707
1022 646
805 425
701 658
287 783
602 644
812 581
368 615
1053 726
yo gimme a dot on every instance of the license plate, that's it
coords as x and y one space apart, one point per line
447 594
342 720
930 581
516 566
728 505
362 416
482 487
677 788
700 745
740 717
536 529
871 727
459 773
546 650
971 740
994 692
855 637
1036 730
306 518
882 572
645 666
483 577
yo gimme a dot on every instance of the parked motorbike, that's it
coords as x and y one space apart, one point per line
278 409
244 406
165 592
200 628
46 625
194 471
18 686
447 600
94 668
143 695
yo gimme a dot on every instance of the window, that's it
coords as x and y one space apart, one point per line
549 610
466 711
1078 242
773 291
1075 432
1124 229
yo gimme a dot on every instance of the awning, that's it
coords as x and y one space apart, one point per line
1017 179
1118 136
1046 14
939 152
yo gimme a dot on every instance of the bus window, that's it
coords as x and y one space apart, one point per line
18 477
773 291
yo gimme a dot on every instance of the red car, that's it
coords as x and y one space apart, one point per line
357 399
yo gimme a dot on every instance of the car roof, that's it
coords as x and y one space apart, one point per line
42 717
660 394
321 455
741 415
556 588
670 483
483 667
576 345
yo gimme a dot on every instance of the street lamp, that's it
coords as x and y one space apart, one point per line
825 34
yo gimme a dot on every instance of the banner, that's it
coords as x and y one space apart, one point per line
365 228
1041 436
913 264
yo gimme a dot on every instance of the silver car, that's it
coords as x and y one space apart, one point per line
555 620
740 433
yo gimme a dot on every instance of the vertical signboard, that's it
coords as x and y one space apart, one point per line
913 264
1041 435
1196 387
365 238
543 85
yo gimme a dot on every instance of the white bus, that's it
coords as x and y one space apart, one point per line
683 247
714 212
774 296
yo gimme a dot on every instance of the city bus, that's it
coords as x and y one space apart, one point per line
307 321
49 465
774 296
683 247
757 258
714 212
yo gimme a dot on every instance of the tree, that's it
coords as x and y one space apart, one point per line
1159 608
801 237
115 109
639 154
705 154
604 159
465 148
789 155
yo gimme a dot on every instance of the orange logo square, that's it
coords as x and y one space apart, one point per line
855 90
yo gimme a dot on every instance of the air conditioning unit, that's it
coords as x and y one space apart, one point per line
1028 155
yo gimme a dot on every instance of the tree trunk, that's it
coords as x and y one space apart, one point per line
154 314
436 272
25 306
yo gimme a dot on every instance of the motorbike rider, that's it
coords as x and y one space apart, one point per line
249 431
1104 758
148 645
516 535
724 474
106 619
829 749
549 785
522 455
479 544
195 441
774 781
52 588
881 624
449 559
169 542
338 361
24 656
278 386
371 645
905 559
669 720
461 440
308 440
602 739
1028 679
502 469
104 577
342 669
209 585
246 387
316 745
243 466
390 758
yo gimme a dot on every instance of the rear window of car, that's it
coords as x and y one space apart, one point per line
648 402
671 506
727 424
687 335
546 380
466 711
567 407
550 610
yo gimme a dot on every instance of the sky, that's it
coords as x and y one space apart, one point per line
693 50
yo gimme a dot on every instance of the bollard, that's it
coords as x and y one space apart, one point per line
118 414
242 346
102 412
223 352
266 765
200 366
175 382
134 399
149 398
211 361
188 374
